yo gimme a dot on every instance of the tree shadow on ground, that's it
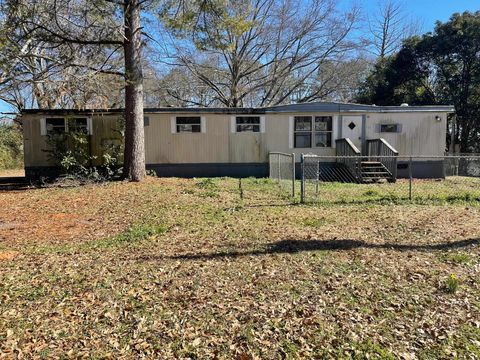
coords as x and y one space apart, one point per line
296 246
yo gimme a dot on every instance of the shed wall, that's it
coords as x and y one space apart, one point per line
104 129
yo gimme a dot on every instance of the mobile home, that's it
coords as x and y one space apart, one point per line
197 142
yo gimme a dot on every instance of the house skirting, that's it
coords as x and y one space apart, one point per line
38 172
420 170
236 170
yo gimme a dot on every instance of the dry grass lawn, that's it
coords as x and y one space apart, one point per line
175 268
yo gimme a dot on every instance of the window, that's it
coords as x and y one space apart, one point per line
389 128
59 125
247 123
323 131
78 125
188 124
146 121
55 126
303 132
312 132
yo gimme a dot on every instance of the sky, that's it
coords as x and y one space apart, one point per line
427 11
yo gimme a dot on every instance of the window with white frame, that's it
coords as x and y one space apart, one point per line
55 126
323 131
247 124
78 125
188 124
312 131
61 125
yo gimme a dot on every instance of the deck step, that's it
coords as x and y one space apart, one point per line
371 163
373 172
369 172
374 180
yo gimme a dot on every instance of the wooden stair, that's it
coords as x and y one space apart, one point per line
374 172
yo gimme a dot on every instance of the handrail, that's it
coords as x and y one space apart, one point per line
387 144
351 147
279 153
380 150
349 155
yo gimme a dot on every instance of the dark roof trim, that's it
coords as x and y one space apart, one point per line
349 107
146 111
333 107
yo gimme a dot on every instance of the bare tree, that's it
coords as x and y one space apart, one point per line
335 81
388 26
258 49
69 34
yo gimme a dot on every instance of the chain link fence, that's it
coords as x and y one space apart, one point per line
282 170
350 179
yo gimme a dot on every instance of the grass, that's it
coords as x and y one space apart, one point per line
176 268
450 190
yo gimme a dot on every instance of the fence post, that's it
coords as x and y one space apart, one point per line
302 182
270 174
279 169
293 175
410 179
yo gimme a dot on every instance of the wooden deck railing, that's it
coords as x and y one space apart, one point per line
350 156
380 150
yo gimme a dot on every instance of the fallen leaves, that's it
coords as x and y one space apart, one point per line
231 278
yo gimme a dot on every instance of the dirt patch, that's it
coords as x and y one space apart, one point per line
7 255
80 214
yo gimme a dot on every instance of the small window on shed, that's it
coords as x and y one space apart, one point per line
146 121
188 124
247 123
78 125
389 128
55 126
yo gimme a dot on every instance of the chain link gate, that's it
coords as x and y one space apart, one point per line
282 170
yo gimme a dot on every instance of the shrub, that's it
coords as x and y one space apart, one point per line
71 152
11 146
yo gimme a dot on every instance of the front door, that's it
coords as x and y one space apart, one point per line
352 129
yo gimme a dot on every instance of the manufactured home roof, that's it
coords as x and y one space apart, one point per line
291 108
350 107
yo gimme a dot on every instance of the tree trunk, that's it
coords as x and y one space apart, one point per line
134 157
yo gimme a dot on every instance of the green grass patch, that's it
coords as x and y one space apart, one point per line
457 258
315 222
131 236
